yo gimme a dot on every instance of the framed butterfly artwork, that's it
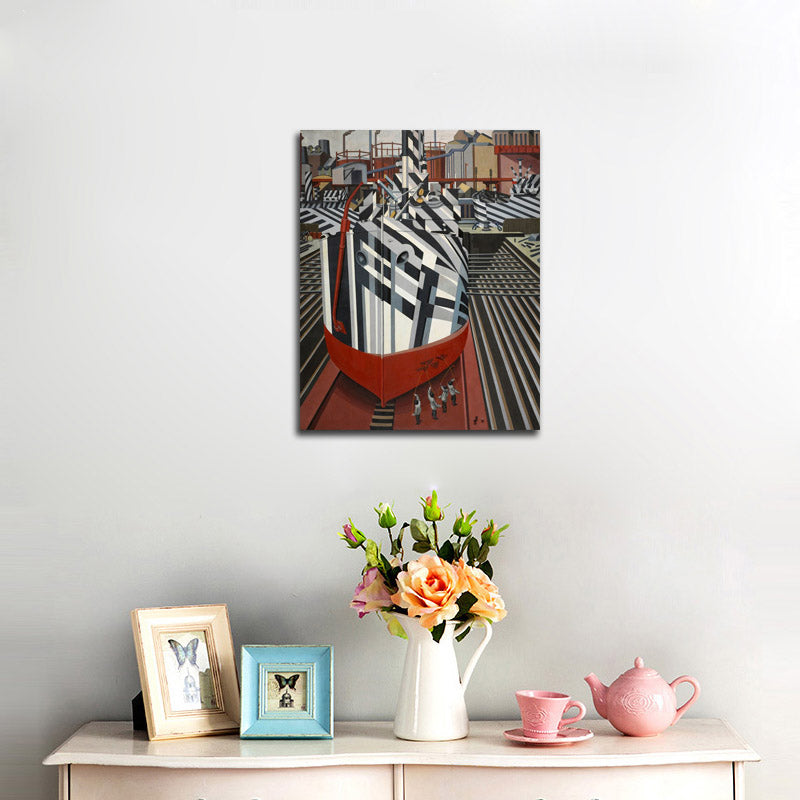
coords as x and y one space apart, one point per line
187 670
287 692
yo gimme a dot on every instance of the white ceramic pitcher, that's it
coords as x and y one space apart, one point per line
430 706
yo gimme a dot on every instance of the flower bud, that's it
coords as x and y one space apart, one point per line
491 533
463 524
431 509
352 535
386 517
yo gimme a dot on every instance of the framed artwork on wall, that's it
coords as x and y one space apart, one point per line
419 266
287 692
187 670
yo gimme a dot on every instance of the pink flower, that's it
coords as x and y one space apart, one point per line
371 594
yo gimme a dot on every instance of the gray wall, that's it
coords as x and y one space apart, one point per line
149 447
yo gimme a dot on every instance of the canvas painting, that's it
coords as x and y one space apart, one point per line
419 306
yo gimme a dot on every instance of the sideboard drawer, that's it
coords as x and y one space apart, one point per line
685 781
160 783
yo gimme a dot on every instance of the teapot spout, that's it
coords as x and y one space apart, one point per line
599 690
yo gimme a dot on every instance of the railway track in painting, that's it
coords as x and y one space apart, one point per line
313 353
505 316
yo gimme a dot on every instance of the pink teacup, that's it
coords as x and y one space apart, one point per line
543 712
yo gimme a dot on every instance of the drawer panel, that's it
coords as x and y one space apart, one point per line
684 781
159 783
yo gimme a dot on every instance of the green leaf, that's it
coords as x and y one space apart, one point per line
419 530
422 547
395 547
483 554
372 553
432 536
447 552
437 631
386 567
487 568
394 626
472 548
463 635
466 601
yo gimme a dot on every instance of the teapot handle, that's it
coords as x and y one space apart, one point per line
487 634
685 679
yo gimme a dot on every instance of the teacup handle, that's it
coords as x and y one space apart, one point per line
685 679
487 634
581 713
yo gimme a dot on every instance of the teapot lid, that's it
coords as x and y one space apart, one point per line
639 670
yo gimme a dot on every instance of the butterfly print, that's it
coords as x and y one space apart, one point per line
183 654
283 681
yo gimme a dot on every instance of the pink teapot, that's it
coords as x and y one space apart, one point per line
640 702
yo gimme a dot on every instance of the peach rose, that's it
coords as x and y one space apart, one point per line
489 604
429 589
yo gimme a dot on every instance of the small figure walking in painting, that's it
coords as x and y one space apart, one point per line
451 385
443 398
432 401
417 407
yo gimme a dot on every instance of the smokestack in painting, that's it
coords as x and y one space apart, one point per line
325 146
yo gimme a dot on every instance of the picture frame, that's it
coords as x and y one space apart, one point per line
187 670
287 692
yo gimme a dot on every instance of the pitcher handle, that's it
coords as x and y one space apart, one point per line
487 634
685 679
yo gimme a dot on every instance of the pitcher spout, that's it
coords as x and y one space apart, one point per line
599 690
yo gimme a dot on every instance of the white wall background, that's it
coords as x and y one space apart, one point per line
149 449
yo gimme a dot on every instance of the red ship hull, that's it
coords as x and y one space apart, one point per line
389 376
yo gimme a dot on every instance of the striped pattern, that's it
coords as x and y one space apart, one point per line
327 218
420 276
505 326
492 209
307 193
525 184
313 353
404 276
383 417
324 209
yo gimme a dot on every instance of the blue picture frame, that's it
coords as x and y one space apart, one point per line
287 692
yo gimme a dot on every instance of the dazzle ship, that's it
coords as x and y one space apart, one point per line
394 275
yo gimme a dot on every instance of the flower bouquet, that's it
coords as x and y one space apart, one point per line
451 579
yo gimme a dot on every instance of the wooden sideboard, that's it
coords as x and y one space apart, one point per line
698 759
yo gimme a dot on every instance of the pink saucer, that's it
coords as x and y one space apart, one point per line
564 736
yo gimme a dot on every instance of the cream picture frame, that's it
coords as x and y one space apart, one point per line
187 670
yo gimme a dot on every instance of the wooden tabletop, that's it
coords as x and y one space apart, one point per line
691 741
